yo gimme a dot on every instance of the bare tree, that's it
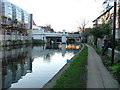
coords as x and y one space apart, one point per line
48 25
81 28
107 4
82 25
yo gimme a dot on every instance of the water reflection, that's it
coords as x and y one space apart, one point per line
35 64
16 62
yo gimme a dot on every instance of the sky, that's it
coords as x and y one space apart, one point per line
61 14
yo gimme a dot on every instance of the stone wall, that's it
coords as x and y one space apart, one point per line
6 40
117 54
109 51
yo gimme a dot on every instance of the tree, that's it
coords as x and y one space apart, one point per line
107 30
82 25
107 4
101 31
81 28
4 18
15 22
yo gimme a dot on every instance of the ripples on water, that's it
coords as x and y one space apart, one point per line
33 66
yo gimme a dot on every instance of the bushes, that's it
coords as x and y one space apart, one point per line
114 69
14 42
118 45
36 41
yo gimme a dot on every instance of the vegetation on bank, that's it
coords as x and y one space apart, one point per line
37 42
76 75
114 69
14 42
21 42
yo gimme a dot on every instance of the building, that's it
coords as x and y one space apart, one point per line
104 18
47 28
14 21
11 13
108 17
0 14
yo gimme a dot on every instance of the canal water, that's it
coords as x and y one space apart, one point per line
33 66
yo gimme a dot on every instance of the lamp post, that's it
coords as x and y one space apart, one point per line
114 31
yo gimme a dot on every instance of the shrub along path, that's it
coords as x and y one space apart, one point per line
98 75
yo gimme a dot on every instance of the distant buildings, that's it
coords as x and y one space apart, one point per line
39 32
47 28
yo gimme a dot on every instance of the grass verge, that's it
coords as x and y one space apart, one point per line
76 75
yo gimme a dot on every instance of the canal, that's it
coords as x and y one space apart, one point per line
33 66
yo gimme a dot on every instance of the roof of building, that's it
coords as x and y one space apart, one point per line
103 13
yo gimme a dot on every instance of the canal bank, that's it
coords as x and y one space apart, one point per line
8 43
65 78
14 42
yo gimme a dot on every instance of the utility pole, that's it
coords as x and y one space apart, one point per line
114 31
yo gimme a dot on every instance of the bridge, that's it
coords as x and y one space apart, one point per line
56 37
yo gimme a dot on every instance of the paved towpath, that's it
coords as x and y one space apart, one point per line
98 75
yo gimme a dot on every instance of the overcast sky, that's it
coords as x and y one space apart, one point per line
61 14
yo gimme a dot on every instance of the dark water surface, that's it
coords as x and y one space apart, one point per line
33 66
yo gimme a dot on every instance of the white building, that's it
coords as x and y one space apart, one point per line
38 33
12 16
6 12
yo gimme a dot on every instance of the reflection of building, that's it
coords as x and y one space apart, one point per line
16 63
63 49
7 79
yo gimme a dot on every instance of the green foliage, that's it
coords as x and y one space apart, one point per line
106 28
107 62
35 41
3 17
99 51
118 45
115 68
15 21
102 30
87 32
76 75
97 32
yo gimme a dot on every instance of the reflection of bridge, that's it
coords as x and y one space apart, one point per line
56 37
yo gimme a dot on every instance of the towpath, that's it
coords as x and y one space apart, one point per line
98 75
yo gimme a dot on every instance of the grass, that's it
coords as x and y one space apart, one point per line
76 75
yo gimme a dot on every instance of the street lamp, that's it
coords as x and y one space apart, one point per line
114 31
